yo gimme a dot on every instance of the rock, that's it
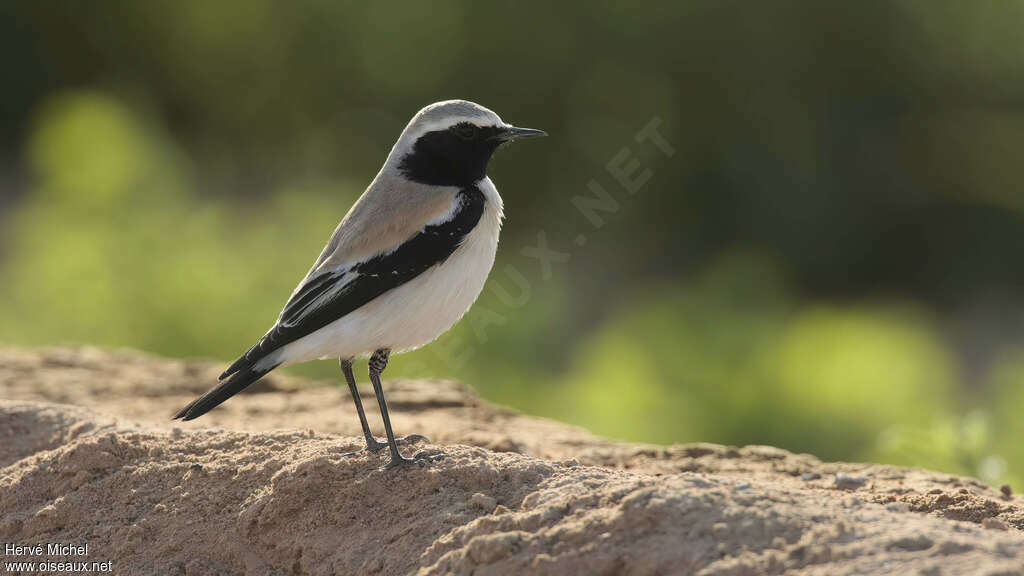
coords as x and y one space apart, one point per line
912 543
849 481
483 502
994 524
250 489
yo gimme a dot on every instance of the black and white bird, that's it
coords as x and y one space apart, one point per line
402 267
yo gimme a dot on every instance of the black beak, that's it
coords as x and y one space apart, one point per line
514 133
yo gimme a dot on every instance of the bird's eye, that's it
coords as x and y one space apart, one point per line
465 131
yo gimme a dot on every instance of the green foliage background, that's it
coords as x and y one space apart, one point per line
829 262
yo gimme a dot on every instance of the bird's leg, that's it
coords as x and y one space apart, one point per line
372 444
378 362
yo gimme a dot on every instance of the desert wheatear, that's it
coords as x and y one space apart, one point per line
402 267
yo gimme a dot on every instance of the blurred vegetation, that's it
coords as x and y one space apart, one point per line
828 263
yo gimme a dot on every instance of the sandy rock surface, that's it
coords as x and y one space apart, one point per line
264 485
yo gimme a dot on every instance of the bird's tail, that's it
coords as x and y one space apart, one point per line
227 387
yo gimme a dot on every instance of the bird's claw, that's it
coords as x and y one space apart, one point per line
410 439
421 458
373 446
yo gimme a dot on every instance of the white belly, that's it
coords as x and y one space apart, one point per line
418 311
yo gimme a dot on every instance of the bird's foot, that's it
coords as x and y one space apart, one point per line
377 445
420 457
374 445
412 439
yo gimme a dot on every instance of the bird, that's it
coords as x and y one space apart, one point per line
402 267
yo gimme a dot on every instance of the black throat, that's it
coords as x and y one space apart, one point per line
442 158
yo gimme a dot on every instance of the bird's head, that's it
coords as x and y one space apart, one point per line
449 143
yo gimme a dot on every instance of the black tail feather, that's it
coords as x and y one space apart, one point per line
225 389
238 365
244 361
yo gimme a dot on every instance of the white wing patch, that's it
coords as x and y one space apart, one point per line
297 309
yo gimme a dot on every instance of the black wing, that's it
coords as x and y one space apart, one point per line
332 295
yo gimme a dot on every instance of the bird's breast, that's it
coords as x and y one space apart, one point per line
438 298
